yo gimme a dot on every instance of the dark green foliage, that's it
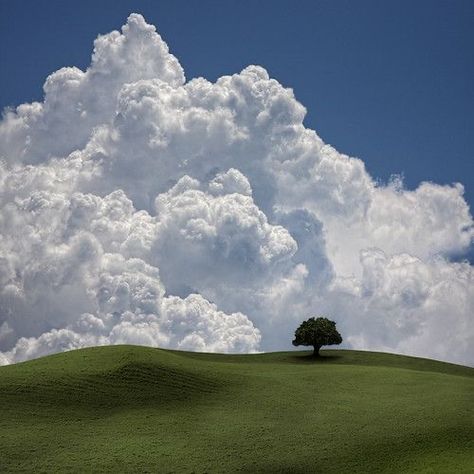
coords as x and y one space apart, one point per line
317 332
136 409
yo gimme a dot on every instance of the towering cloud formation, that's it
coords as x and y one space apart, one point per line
136 207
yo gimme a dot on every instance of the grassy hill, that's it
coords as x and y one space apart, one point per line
135 409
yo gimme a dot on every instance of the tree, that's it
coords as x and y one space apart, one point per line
317 333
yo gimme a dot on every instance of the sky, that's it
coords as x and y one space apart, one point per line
214 173
388 82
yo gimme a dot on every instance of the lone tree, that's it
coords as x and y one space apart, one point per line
317 333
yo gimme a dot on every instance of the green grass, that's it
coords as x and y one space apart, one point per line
135 409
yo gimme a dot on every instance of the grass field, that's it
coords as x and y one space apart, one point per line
135 409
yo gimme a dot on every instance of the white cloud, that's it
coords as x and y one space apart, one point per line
138 207
419 307
205 241
74 274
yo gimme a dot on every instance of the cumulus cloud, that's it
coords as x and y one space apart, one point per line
401 301
138 207
206 240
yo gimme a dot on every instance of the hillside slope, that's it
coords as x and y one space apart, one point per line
136 409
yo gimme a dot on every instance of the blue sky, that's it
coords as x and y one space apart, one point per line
204 215
390 83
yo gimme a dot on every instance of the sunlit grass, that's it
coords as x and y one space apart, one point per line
135 409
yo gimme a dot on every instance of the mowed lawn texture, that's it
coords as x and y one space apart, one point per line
136 409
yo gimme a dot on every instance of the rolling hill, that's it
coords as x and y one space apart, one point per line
136 409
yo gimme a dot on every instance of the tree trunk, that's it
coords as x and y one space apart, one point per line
316 351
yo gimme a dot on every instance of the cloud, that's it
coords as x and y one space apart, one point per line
136 207
75 274
78 102
206 240
420 307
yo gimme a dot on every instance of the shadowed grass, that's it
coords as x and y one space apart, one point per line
135 409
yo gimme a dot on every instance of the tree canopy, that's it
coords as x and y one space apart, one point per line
317 332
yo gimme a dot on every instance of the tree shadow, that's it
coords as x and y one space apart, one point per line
308 358
280 468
